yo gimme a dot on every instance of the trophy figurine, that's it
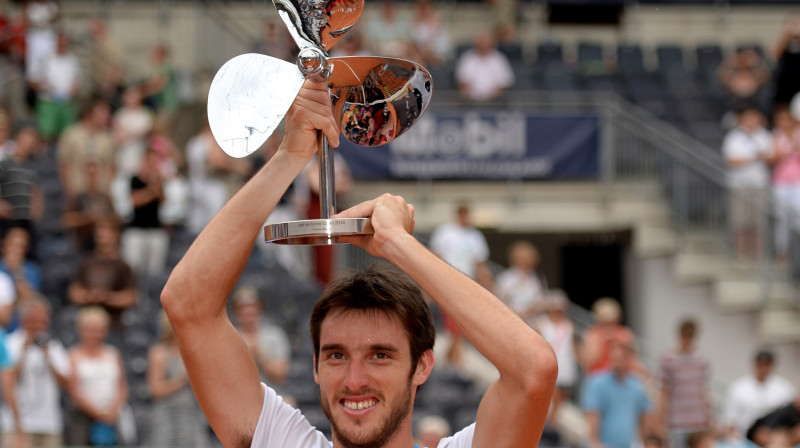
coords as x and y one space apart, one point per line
374 100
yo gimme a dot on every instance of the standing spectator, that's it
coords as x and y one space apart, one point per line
743 76
161 90
787 53
616 403
26 273
685 377
144 241
755 395
785 178
520 287
483 73
268 343
56 90
86 141
104 278
178 421
463 247
98 387
31 412
41 39
86 209
599 338
556 327
745 149
21 195
429 34
106 58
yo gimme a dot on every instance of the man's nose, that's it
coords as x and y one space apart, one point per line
357 377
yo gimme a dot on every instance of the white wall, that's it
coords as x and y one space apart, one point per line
656 304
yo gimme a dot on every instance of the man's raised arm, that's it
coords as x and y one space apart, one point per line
514 409
223 374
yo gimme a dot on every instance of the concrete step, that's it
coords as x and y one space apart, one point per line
780 324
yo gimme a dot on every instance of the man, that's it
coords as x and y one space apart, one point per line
755 395
268 343
31 413
483 73
685 375
616 403
60 82
463 246
373 333
21 198
87 141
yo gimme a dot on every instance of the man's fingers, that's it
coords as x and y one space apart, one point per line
318 102
362 210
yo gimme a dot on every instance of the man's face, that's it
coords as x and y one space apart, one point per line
248 316
367 384
37 321
763 369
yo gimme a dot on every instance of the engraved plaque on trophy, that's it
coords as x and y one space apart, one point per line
374 100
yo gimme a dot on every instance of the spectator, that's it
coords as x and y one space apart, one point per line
104 278
177 197
785 178
85 210
598 339
685 376
106 59
87 141
787 53
616 403
745 149
483 73
556 327
31 412
431 429
268 343
743 76
98 387
275 41
700 439
520 286
41 39
57 89
144 241
178 421
6 144
19 183
130 126
429 34
755 395
388 33
26 274
161 90
463 247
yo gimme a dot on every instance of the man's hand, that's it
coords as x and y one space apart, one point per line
391 216
311 111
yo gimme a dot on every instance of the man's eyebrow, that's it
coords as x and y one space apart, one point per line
384 348
329 347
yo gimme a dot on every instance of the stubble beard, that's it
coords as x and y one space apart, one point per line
385 429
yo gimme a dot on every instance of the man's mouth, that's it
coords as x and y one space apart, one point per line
359 405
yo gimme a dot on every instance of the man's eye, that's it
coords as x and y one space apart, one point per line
381 356
337 355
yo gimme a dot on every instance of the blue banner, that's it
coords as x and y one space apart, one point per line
488 146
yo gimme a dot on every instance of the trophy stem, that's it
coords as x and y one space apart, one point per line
327 178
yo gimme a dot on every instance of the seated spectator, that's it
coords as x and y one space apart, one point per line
104 278
746 149
20 194
86 209
431 429
86 141
557 329
57 90
268 343
98 387
616 402
429 34
520 286
389 32
483 73
178 421
599 338
31 412
144 241
785 178
755 395
743 75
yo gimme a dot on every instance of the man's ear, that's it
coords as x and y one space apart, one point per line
424 367
316 367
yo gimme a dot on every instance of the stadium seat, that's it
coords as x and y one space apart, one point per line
669 56
549 53
513 51
630 60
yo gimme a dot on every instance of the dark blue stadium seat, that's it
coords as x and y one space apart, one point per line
630 60
548 53
669 56
513 51
709 58
590 52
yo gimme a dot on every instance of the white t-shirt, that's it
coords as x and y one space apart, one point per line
748 399
37 389
281 425
8 292
519 289
739 145
461 247
60 76
484 74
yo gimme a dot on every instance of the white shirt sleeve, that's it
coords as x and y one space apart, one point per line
59 357
461 439
734 147
8 293
281 425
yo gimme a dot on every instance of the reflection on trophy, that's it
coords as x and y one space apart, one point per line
374 100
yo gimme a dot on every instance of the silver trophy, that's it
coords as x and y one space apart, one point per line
374 100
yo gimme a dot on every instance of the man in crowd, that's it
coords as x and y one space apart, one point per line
87 141
463 247
372 331
483 73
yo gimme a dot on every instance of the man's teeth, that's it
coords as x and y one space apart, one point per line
360 405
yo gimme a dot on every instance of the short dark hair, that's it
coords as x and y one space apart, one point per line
688 328
383 289
765 355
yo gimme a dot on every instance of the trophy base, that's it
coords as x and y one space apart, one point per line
316 232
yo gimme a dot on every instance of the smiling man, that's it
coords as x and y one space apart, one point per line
372 331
